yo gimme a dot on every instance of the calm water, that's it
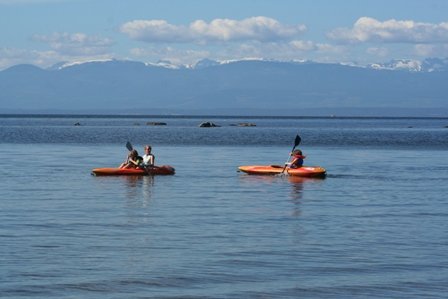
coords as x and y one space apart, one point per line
376 227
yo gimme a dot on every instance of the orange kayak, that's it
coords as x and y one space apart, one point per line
158 170
304 171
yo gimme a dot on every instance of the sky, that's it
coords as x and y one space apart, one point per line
47 32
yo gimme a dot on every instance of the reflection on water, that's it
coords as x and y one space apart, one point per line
297 186
253 179
148 183
298 189
137 199
132 182
139 189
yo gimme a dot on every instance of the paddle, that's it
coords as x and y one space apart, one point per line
129 146
296 143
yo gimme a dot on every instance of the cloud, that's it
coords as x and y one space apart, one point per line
392 31
218 30
301 45
11 56
425 50
14 56
75 44
378 51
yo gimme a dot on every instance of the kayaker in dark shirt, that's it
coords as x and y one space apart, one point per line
133 160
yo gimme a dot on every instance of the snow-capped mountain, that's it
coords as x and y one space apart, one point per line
244 85
427 65
205 63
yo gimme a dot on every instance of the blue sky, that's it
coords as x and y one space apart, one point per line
45 32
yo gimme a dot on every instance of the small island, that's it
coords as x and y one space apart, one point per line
208 124
156 123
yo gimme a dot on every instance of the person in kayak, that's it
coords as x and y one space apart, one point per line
148 160
297 160
148 157
133 160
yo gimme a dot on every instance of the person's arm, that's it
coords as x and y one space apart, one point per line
294 160
135 162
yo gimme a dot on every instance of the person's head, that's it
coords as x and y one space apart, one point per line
133 153
148 149
297 152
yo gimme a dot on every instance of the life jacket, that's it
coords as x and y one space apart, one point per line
298 160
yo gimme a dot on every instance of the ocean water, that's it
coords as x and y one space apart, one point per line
375 227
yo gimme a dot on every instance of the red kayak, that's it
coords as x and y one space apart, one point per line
304 171
158 170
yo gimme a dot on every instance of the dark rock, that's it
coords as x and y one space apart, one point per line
208 125
155 123
246 125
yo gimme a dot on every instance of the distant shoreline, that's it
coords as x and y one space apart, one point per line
201 116
253 113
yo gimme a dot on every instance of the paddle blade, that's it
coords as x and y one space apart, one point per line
297 140
129 146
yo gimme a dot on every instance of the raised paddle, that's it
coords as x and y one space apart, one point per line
296 143
129 146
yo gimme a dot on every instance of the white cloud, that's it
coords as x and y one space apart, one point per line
425 50
14 56
301 45
392 31
309 46
378 51
219 30
75 44
11 56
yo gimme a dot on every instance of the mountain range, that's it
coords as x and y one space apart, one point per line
244 87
